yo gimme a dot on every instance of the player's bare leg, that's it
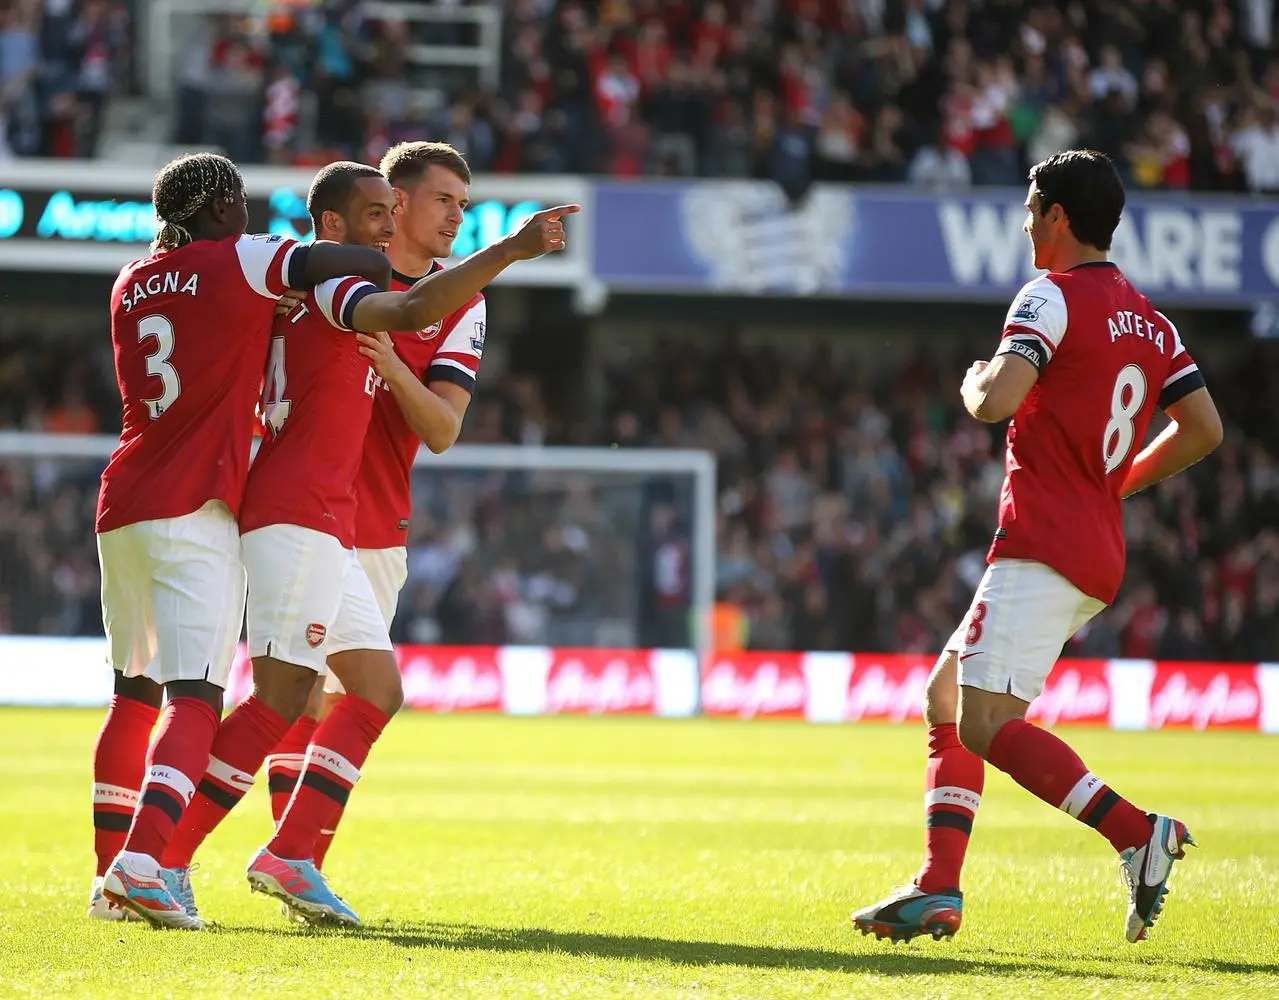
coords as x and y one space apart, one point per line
331 701
932 903
284 688
941 693
994 725
285 868
371 674
119 766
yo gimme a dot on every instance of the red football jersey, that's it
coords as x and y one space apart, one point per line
1106 359
190 329
316 401
449 351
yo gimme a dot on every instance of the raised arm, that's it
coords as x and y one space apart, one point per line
443 292
325 260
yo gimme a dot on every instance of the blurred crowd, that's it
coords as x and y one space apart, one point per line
496 556
60 62
855 506
940 93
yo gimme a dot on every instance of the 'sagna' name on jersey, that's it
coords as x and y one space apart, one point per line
159 283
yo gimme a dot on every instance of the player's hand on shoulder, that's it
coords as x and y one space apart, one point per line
380 350
290 300
542 232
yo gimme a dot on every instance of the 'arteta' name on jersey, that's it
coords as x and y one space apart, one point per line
166 283
1130 324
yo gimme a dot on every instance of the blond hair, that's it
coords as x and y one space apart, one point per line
408 161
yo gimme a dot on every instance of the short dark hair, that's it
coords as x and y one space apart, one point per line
408 161
1087 187
183 187
333 187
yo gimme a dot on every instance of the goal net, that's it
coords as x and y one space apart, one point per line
564 547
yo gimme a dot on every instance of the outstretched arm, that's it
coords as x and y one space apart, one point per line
437 295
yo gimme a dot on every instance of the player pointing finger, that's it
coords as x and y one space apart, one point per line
555 214
542 232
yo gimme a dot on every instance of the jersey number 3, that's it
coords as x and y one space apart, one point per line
158 365
1126 400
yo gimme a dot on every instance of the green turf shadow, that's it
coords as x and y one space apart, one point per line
894 960
1234 968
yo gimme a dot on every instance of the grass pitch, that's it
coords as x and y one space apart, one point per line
495 857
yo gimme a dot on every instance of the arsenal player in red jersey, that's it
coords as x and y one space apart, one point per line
310 601
190 325
426 378
1083 361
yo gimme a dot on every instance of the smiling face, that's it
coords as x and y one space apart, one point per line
429 211
369 218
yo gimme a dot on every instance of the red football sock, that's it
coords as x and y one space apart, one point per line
956 777
284 765
236 756
119 763
178 757
325 840
1045 766
338 751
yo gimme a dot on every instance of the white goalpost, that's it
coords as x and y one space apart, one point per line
606 486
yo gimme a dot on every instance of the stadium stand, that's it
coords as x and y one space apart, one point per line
849 519
855 508
60 64
940 93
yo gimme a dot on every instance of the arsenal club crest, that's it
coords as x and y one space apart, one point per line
430 333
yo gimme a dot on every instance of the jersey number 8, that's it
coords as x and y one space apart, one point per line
1126 400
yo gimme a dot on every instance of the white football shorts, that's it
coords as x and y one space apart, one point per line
173 596
386 569
1022 615
308 597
